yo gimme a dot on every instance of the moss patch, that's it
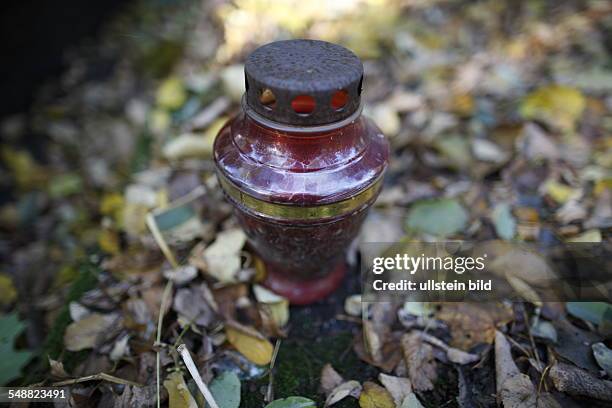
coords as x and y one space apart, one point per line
298 369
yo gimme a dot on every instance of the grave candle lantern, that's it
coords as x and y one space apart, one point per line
300 165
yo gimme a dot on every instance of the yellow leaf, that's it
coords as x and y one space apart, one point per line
257 350
561 193
171 94
557 105
178 393
375 396
112 205
26 172
593 235
275 306
109 241
7 291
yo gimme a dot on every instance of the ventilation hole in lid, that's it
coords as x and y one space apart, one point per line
246 83
360 88
267 98
339 99
303 104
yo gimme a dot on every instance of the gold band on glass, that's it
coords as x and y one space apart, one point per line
293 212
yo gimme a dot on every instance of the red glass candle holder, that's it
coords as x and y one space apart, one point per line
300 165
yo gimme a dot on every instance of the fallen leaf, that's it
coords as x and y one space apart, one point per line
232 78
225 389
57 369
178 393
292 402
504 222
488 151
455 151
223 256
419 359
8 293
171 94
191 303
330 379
350 388
557 105
120 348
537 145
543 330
182 274
574 344
440 217
12 360
454 355
576 381
594 312
593 235
188 145
375 396
603 356
398 387
386 118
524 290
353 305
513 387
472 324
89 331
255 348
559 192
275 306
509 259
411 401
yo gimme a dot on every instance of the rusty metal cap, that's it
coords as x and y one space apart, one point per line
303 82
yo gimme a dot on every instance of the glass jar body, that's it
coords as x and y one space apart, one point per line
301 196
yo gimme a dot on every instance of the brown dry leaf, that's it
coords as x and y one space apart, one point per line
191 304
399 388
391 353
420 361
249 343
330 379
372 341
57 369
453 354
375 396
472 324
350 388
576 381
514 388
89 331
178 393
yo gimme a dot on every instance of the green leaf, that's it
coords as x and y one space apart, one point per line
594 312
64 185
504 222
225 388
440 217
603 356
12 360
292 402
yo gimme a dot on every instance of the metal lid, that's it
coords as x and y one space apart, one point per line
303 82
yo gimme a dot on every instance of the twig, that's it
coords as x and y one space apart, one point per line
531 340
159 239
161 242
96 377
270 390
182 349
